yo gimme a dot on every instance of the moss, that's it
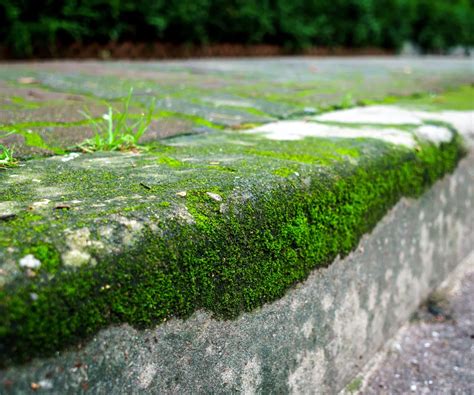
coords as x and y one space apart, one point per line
354 385
249 110
23 103
47 255
33 139
284 172
264 234
461 99
245 126
325 152
167 160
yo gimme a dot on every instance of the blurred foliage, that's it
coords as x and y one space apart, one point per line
27 26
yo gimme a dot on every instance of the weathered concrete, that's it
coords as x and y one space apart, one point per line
313 340
241 191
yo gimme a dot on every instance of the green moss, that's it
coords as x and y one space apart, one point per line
461 99
354 385
284 172
325 152
33 139
304 158
167 160
47 255
285 208
23 103
199 121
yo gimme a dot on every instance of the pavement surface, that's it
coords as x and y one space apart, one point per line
43 104
434 353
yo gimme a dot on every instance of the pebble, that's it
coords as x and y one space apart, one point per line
26 80
30 262
46 384
71 156
181 194
214 196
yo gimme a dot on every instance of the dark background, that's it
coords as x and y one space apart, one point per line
51 28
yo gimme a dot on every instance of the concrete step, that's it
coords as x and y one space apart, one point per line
272 258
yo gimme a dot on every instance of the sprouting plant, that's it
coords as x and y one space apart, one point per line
116 131
347 101
6 157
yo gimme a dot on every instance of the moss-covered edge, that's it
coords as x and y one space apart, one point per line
226 263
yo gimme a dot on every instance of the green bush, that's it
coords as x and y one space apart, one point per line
441 24
29 27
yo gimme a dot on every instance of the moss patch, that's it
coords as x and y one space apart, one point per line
461 99
354 385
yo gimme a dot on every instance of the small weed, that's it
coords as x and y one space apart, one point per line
116 131
6 157
354 385
347 102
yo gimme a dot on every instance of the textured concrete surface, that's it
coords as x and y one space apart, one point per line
313 340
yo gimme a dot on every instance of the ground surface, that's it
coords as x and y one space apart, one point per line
42 102
223 208
434 353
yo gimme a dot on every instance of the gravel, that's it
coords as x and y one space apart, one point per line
434 353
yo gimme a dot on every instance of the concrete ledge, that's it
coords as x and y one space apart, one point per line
229 222
313 340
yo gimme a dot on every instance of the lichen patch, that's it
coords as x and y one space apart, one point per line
71 156
379 115
79 243
76 258
462 121
296 130
147 375
434 134
9 209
